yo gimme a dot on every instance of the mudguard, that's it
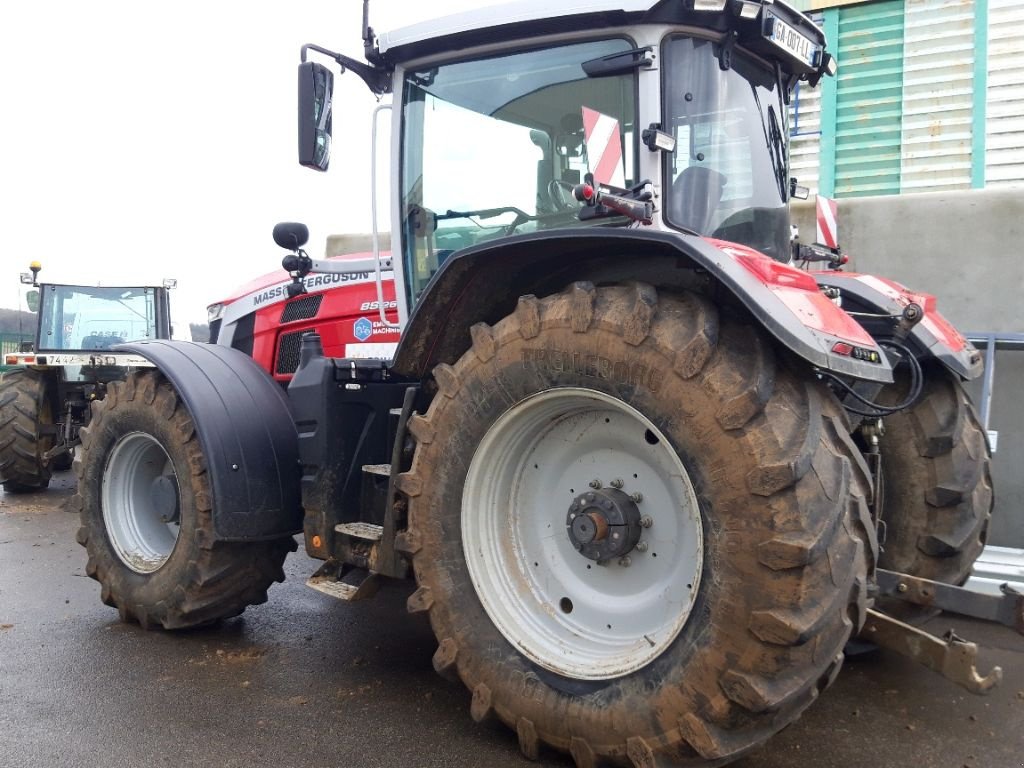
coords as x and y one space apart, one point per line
933 336
485 281
246 432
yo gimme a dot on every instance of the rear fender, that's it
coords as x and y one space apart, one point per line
246 431
483 283
933 336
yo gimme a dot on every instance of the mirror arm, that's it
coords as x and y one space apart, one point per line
377 80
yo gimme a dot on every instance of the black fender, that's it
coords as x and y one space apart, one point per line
933 336
246 431
483 283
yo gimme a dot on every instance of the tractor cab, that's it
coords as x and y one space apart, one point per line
508 115
81 318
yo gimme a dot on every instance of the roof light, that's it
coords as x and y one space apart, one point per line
749 10
170 282
709 5
655 139
26 278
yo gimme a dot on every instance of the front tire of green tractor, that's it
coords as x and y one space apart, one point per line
640 538
937 513
144 501
24 411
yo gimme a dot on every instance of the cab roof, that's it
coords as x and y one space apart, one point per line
516 12
526 18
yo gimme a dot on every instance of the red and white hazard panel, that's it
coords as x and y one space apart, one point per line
828 229
604 148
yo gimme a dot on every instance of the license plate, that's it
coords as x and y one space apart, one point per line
791 41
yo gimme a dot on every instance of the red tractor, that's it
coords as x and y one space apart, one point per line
638 465
266 322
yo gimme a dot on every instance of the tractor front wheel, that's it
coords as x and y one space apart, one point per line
144 502
641 539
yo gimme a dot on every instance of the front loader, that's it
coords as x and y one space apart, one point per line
649 477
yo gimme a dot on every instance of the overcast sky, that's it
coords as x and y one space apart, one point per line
140 141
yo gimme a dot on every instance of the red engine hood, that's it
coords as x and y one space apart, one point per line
279 275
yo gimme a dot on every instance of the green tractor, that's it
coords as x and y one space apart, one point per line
49 385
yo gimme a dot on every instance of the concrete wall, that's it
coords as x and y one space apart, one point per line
966 249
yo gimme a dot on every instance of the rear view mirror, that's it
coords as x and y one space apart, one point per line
32 299
316 84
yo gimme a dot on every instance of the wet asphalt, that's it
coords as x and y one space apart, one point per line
307 681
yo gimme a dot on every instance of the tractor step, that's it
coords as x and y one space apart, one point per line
384 470
357 584
367 531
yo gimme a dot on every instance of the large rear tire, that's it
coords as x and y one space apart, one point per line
146 519
938 492
24 410
759 521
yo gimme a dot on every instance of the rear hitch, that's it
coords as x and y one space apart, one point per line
952 657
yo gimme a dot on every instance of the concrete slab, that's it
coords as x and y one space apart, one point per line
307 681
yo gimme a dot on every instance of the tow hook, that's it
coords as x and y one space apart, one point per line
952 657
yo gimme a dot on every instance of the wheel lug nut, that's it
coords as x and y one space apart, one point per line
641 546
646 521
625 561
595 484
637 497
616 483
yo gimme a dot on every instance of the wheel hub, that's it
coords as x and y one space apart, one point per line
165 498
603 524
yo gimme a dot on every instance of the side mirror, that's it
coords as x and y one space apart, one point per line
316 85
32 299
291 235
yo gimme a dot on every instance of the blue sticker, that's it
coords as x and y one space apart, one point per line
362 329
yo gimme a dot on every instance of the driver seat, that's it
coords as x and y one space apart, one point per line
696 195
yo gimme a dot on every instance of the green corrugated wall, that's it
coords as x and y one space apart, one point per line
869 99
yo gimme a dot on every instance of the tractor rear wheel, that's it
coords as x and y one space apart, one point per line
938 497
640 537
24 411
146 520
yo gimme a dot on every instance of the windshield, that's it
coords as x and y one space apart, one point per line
728 175
83 318
493 147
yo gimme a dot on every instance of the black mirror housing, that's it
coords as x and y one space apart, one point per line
316 85
291 235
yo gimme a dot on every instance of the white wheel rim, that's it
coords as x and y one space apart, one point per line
567 613
134 518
